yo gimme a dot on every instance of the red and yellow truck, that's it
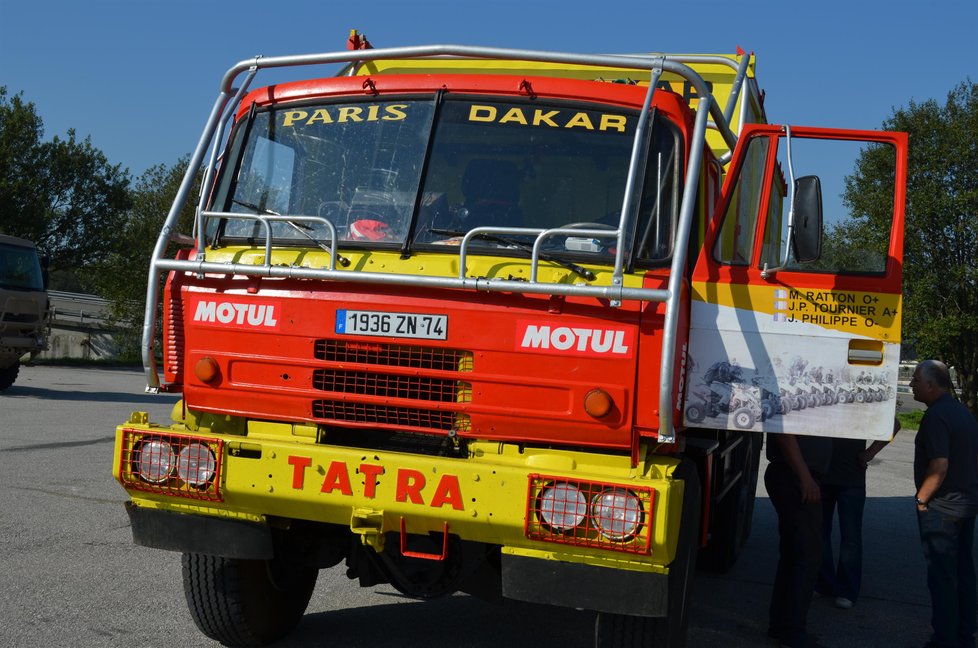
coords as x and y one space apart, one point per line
506 322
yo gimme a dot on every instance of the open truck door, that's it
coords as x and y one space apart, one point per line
796 299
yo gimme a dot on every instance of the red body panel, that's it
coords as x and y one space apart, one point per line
266 350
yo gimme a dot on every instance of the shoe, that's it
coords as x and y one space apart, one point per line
843 603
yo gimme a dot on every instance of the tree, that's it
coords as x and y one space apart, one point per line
123 271
940 280
62 194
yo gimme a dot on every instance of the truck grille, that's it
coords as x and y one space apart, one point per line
403 417
427 391
394 355
175 336
393 386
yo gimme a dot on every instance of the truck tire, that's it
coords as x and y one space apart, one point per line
734 514
8 375
623 631
246 602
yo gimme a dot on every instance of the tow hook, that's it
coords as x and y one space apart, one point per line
369 525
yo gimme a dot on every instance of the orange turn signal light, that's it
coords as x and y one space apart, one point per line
598 403
207 369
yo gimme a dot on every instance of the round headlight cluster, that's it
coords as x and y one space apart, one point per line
156 460
562 506
196 464
616 513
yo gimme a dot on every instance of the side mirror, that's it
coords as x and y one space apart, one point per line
806 236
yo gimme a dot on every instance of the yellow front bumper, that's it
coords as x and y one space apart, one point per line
279 472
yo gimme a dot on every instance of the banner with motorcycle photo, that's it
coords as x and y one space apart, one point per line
802 361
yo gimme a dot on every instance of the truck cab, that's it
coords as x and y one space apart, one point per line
23 306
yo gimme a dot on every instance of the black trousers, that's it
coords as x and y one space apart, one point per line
800 554
947 542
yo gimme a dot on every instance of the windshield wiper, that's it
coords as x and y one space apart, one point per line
298 227
569 265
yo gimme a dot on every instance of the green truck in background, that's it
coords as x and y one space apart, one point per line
24 306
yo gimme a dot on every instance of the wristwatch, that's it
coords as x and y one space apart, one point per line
921 502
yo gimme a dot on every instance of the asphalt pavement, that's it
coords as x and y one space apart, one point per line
72 577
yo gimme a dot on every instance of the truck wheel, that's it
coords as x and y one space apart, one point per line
246 602
8 375
623 631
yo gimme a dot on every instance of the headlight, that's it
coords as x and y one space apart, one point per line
196 464
154 460
562 506
617 513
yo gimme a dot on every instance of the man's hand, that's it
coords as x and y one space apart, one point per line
811 493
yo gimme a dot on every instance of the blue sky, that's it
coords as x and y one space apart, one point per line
140 76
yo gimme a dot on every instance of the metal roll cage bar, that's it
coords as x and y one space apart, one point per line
655 64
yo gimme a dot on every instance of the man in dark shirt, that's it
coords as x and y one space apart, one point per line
791 478
946 475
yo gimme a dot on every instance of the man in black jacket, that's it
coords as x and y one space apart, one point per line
946 476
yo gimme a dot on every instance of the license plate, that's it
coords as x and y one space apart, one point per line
386 324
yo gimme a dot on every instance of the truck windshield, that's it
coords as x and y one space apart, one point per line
393 173
20 268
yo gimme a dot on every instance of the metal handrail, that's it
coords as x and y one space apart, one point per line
215 154
565 231
265 219
654 64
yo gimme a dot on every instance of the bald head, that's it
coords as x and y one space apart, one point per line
931 380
